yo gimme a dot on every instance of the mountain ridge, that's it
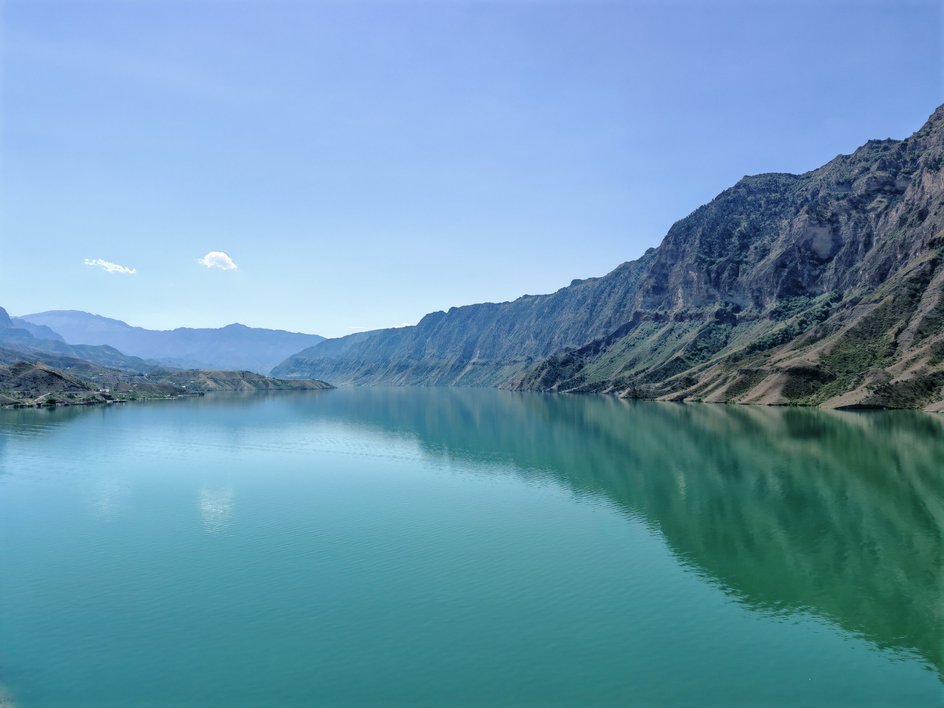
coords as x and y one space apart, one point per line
26 343
754 297
232 347
35 372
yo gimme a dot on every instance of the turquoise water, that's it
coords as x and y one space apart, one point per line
469 547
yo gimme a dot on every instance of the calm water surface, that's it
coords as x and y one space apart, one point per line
469 547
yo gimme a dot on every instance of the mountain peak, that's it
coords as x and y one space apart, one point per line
937 118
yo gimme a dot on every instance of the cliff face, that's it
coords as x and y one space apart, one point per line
825 288
476 345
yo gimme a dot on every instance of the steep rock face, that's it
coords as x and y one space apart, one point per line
475 345
824 288
821 288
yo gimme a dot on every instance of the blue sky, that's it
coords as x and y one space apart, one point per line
363 164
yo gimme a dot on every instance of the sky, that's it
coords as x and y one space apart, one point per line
330 167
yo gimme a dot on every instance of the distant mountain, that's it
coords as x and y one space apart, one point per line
36 371
825 288
20 343
38 331
234 347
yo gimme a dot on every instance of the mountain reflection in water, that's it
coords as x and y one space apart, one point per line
789 510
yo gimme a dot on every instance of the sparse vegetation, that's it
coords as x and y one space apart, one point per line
745 381
933 322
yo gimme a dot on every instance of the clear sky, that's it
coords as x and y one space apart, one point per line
362 164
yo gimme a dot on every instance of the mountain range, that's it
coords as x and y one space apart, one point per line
38 368
20 341
234 347
825 288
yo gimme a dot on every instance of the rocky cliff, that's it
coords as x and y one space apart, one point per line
825 288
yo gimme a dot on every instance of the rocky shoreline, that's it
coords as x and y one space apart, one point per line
26 384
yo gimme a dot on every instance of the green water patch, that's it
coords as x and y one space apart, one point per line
446 546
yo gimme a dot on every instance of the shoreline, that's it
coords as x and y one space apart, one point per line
96 401
92 402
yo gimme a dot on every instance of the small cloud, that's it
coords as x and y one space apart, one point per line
217 259
109 266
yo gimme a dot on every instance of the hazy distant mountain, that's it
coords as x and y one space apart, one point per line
234 347
825 288
19 343
39 371
38 331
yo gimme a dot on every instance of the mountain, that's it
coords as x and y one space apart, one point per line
35 371
25 346
44 378
35 383
38 331
825 288
234 347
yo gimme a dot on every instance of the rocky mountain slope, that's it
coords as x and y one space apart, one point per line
476 345
36 384
825 288
234 347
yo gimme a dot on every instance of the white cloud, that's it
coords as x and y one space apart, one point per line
217 259
109 266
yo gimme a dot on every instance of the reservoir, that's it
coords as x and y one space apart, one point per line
469 547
